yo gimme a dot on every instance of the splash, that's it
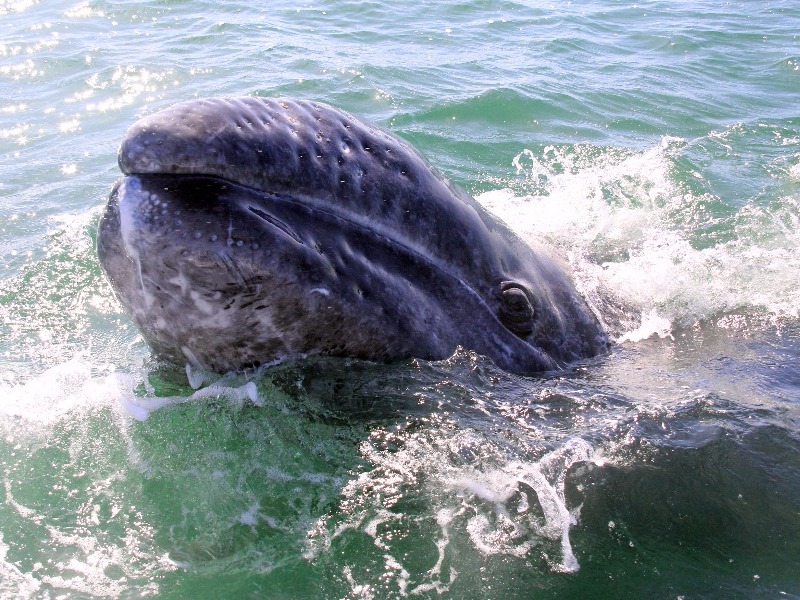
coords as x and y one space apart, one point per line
78 427
51 425
652 248
13 582
71 387
236 389
517 491
57 305
481 504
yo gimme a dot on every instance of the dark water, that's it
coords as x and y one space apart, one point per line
655 146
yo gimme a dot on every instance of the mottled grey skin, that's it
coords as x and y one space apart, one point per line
252 230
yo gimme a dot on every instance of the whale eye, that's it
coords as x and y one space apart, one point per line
516 311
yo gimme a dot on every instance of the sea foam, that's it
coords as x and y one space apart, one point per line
631 226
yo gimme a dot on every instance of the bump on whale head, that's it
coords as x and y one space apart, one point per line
250 230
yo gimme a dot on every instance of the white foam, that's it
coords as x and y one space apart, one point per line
652 324
77 386
72 386
140 407
13 582
794 170
506 506
516 532
628 230
85 561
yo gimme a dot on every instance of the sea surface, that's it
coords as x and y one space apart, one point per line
654 145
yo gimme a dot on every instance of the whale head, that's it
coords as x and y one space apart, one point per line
250 230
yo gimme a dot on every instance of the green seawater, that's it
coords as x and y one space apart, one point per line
654 146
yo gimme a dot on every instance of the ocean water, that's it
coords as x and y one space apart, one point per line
655 145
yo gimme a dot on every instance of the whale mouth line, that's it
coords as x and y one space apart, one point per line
177 173
275 222
305 200
223 183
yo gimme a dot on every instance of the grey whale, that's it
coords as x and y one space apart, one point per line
251 230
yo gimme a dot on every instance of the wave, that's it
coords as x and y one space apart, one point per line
652 246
